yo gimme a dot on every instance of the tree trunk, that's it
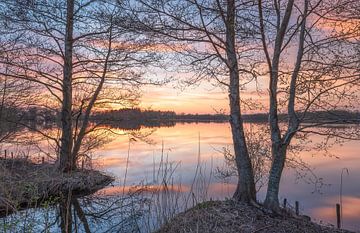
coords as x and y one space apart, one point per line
91 104
279 143
81 215
66 162
245 190
277 167
3 96
65 214
85 123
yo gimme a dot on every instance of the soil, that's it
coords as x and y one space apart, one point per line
230 217
26 184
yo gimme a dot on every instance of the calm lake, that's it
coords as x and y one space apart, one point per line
192 154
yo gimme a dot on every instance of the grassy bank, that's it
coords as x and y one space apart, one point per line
25 184
233 217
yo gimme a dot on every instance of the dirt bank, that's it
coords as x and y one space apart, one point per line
232 217
26 184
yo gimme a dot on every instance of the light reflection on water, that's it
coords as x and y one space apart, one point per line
181 145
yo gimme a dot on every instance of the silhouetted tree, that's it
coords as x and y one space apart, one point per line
74 52
324 76
211 36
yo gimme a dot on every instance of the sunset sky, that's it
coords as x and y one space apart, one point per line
191 100
204 98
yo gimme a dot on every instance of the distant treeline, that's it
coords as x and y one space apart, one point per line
337 116
152 115
128 115
135 117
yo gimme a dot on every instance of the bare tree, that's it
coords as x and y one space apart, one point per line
214 37
73 51
210 37
322 77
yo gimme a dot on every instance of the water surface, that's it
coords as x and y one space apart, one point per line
189 155
181 145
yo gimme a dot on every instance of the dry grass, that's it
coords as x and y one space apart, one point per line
232 217
24 183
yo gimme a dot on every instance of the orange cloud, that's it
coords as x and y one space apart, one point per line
348 28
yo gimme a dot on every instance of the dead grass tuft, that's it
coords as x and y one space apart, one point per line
233 217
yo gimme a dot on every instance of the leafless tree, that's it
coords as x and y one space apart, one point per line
220 40
74 52
324 76
211 37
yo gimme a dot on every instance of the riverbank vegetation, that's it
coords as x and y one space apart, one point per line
230 217
25 183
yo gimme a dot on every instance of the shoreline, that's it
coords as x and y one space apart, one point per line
230 216
25 184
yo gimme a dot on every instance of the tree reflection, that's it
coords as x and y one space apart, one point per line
100 213
70 211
